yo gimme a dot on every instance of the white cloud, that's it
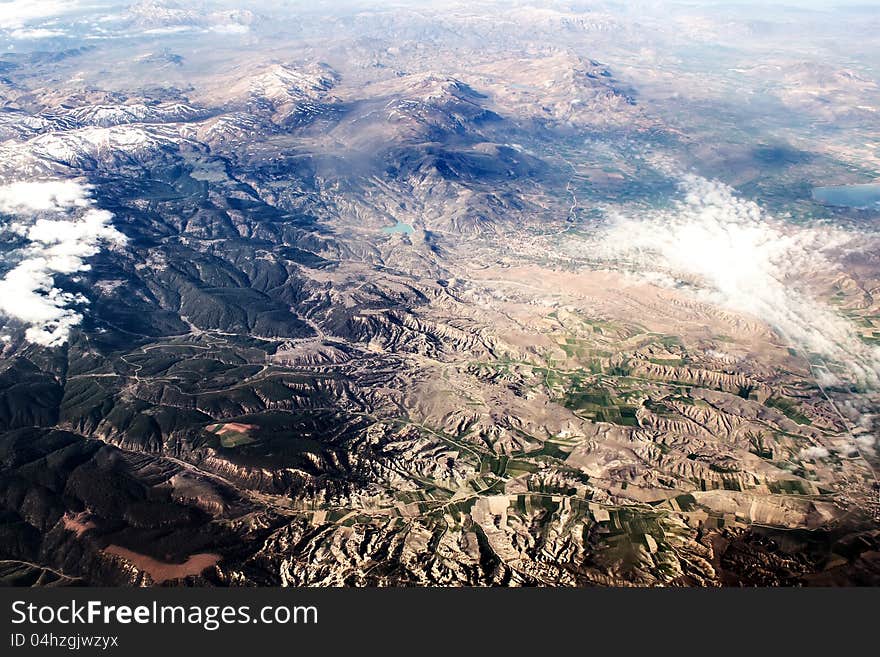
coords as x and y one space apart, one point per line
814 453
56 195
867 443
170 29
231 28
225 28
67 232
15 13
37 33
733 254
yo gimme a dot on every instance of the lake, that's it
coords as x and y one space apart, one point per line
849 196
399 227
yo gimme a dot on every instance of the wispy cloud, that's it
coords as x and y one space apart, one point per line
23 34
814 453
735 255
15 13
62 229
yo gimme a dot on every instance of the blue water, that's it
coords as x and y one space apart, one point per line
849 196
399 227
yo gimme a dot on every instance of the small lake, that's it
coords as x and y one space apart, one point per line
399 227
849 196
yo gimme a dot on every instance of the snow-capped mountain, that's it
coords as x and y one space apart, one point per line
290 94
441 103
105 116
88 148
167 14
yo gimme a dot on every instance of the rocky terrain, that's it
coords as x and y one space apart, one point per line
362 311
